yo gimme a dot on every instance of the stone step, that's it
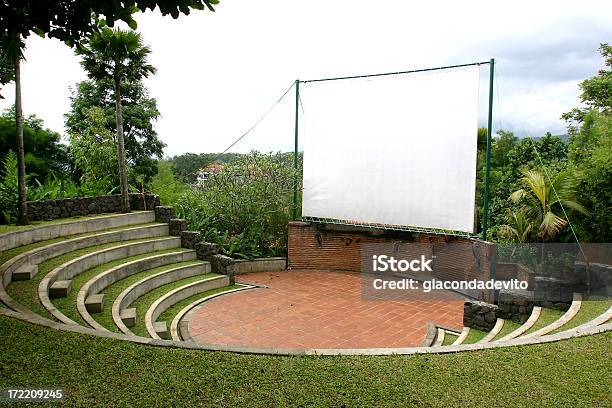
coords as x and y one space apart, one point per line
95 303
151 282
128 317
161 329
178 294
25 272
60 289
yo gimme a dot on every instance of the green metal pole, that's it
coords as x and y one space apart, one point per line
295 150
485 216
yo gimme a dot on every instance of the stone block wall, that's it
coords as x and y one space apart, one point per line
82 206
512 305
479 315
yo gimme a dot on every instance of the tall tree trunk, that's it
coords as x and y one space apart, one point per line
125 200
23 211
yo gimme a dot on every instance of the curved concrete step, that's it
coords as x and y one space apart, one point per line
462 336
439 337
571 333
44 253
130 294
499 324
567 316
535 315
598 321
100 282
179 327
45 232
74 267
178 294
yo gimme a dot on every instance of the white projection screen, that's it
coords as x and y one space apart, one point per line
396 150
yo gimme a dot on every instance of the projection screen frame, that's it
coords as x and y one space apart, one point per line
485 216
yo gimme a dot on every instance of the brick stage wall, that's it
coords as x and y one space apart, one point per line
336 248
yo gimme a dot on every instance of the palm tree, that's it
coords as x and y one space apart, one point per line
120 56
518 227
12 47
542 198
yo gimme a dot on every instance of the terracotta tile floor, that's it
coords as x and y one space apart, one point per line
318 309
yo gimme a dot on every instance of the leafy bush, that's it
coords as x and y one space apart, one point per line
9 191
95 155
166 185
246 207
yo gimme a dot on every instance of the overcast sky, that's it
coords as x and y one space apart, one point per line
219 72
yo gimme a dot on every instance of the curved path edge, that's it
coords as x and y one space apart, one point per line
177 328
572 333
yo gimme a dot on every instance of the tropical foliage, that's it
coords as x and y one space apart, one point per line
117 56
94 154
139 113
246 207
543 201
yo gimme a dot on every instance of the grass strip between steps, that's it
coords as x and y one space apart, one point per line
26 292
171 312
589 310
143 303
110 293
508 327
474 336
12 253
547 316
68 305
449 339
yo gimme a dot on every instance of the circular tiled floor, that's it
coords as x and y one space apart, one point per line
319 309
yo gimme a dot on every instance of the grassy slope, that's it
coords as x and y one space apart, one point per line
102 372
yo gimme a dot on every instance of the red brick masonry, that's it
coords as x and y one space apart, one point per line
325 247
319 309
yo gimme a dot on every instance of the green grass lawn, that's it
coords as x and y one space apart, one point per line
508 327
474 335
547 316
110 294
102 372
449 339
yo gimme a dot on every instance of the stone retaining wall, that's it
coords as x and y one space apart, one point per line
82 206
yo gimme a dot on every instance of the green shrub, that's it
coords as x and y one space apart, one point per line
166 185
246 207
9 191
